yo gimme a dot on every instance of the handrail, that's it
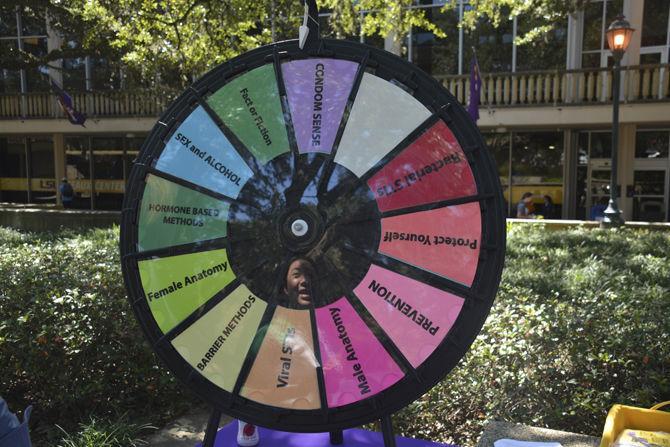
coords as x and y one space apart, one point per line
554 70
639 83
94 104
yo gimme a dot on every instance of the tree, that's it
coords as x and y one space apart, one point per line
172 42
183 37
396 17
384 18
61 20
542 12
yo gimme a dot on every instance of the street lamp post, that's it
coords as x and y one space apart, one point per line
618 38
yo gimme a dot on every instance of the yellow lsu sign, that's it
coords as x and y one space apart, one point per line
49 185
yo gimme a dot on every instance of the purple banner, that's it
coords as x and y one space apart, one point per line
475 90
317 91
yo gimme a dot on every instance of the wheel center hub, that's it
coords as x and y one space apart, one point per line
299 227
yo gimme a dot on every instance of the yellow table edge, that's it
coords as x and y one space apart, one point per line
621 417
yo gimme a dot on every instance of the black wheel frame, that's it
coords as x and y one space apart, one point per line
478 298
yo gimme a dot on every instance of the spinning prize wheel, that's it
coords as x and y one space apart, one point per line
345 156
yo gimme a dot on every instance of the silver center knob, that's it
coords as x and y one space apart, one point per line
299 227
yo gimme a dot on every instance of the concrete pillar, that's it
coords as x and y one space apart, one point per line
29 168
460 37
55 69
59 163
574 44
22 72
570 158
573 57
88 70
391 44
54 42
626 155
633 10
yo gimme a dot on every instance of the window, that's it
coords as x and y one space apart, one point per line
13 170
434 55
601 145
77 158
108 172
649 199
537 167
593 27
537 157
498 144
655 23
493 45
74 74
652 143
13 158
33 41
105 75
108 158
7 23
613 9
42 172
10 80
598 15
594 151
547 52
109 168
33 23
37 78
650 59
582 175
594 145
41 158
78 169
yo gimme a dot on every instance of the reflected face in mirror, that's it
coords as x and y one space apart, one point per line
299 283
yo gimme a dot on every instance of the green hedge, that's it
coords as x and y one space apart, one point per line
582 321
69 342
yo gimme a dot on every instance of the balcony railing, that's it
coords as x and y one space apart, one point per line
94 104
642 83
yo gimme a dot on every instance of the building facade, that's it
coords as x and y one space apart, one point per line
546 111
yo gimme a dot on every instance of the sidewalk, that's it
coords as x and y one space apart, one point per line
509 430
187 431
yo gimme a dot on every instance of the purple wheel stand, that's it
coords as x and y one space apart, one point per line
354 437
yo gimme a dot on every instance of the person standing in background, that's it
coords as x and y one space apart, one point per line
66 193
524 209
13 433
548 210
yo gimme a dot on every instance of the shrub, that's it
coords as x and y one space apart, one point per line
581 321
97 433
69 342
